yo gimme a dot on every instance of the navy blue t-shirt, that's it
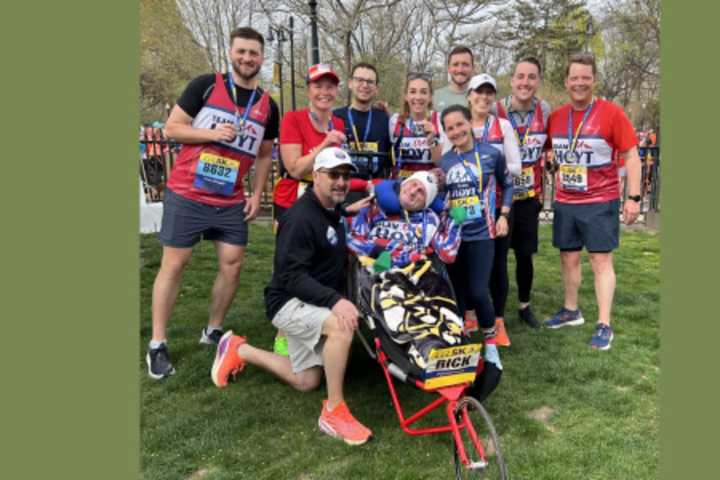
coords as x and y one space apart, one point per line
475 192
371 153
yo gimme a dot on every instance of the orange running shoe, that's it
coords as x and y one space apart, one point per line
501 336
471 324
341 424
227 361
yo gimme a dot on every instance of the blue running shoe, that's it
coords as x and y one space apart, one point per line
602 338
564 318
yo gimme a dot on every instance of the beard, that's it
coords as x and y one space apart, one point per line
236 68
460 79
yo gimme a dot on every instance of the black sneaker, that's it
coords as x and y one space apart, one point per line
527 316
158 362
212 338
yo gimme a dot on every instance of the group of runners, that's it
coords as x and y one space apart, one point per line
464 179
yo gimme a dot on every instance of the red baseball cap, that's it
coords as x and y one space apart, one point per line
316 72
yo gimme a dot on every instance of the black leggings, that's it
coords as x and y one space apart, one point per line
470 274
524 272
499 284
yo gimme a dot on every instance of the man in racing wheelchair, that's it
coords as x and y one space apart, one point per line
403 240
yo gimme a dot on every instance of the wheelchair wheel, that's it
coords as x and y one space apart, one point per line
493 465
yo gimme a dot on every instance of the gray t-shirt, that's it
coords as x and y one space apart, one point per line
443 98
520 117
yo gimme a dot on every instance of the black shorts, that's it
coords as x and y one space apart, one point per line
595 226
186 221
524 222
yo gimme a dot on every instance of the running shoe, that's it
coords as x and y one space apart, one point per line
227 361
501 336
280 346
471 324
212 338
341 424
564 318
602 338
158 362
526 315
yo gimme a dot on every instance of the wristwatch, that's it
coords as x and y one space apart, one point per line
634 198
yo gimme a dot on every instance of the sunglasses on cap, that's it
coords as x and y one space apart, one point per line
418 76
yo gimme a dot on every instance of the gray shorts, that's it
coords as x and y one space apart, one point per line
185 222
595 226
302 323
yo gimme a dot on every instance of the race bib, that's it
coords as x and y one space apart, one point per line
573 177
472 205
452 365
415 150
524 185
216 174
364 147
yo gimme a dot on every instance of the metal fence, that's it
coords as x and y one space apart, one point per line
157 155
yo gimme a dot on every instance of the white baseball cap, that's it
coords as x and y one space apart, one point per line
332 157
429 183
480 80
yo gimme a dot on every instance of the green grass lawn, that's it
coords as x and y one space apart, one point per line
562 410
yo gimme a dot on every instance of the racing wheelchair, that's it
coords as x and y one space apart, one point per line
410 325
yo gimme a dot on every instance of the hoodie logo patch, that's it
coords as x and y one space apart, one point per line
332 236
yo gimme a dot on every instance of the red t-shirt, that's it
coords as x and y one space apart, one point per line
296 128
589 174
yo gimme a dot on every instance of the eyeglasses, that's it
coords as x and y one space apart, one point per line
366 81
335 174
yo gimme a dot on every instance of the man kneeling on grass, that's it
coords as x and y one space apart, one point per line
304 300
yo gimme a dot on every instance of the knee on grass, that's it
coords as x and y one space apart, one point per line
306 381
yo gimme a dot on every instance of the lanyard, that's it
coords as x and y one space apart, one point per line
419 233
531 114
240 123
354 130
486 129
572 139
477 164
314 116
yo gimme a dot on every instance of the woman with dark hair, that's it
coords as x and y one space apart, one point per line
414 132
474 171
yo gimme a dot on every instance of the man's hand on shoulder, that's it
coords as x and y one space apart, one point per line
346 313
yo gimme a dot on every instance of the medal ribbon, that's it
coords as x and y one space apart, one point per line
572 139
477 164
314 116
524 138
354 130
240 123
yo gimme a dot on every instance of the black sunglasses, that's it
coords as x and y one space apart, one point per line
334 174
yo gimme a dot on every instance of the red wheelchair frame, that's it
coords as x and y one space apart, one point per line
459 422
